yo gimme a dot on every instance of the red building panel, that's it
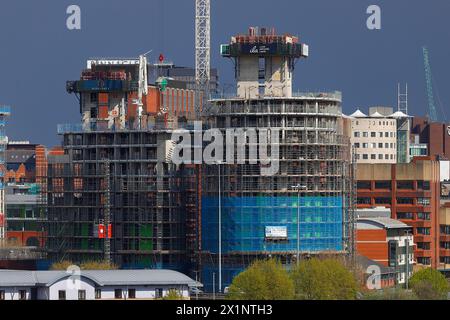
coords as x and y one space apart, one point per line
433 209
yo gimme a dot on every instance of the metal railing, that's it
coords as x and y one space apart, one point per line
336 95
101 127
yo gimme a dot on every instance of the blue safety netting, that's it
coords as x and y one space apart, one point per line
244 222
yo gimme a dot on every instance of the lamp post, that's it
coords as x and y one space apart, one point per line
298 187
407 232
196 280
214 285
220 229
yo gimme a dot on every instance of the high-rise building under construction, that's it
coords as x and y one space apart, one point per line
115 195
306 206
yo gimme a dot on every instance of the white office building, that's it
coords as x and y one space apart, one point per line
375 136
94 285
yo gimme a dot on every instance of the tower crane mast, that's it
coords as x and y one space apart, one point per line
202 53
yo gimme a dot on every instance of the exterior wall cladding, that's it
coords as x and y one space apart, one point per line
312 154
412 191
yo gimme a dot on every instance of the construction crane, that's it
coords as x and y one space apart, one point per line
429 80
5 112
143 87
202 53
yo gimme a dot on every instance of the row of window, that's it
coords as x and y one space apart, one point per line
365 134
445 259
22 294
424 261
401 185
445 229
374 157
424 231
374 145
405 201
445 245
410 216
384 123
81 294
118 294
423 245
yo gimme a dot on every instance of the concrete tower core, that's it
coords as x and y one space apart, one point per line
264 62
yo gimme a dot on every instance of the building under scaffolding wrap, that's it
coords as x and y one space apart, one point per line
145 206
259 213
115 195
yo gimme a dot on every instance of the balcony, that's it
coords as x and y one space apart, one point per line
420 223
444 252
422 238
422 253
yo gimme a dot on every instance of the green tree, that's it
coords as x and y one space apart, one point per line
98 265
173 295
62 265
389 294
429 284
88 265
263 280
324 279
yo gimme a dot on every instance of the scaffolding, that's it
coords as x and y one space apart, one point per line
123 177
312 153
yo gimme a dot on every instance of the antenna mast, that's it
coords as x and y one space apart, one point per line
202 53
402 104
429 80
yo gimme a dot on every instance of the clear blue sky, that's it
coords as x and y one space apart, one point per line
38 54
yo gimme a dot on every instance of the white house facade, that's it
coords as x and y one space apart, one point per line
93 285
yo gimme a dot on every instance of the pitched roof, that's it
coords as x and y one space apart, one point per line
399 114
387 223
377 115
366 262
358 114
100 277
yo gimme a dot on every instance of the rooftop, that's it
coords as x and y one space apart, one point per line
380 216
332 96
358 114
100 277
386 223
366 263
397 115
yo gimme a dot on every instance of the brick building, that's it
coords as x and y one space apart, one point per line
387 241
412 192
435 134
387 278
26 168
444 238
